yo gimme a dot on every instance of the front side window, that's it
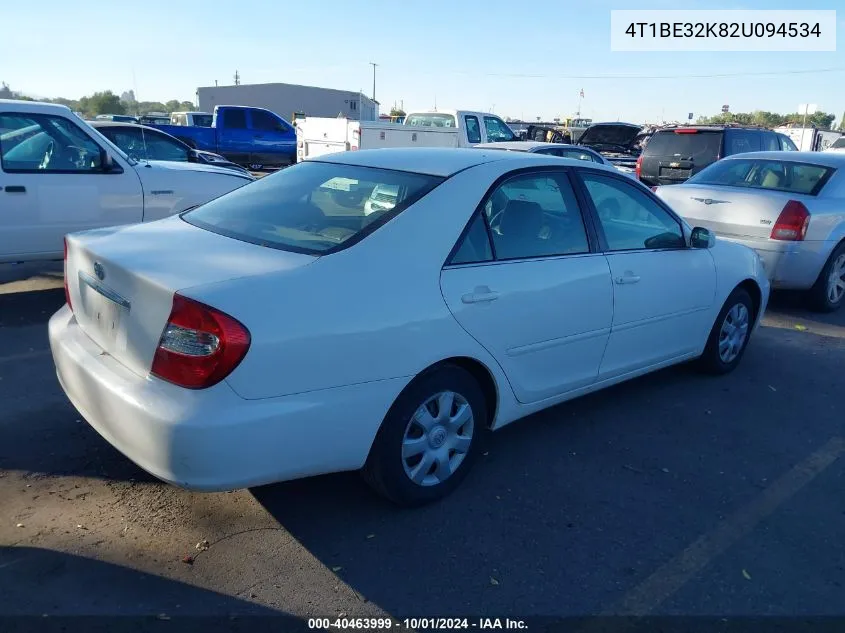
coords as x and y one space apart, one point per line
629 218
771 142
313 207
473 129
497 130
39 142
235 119
766 174
535 215
265 121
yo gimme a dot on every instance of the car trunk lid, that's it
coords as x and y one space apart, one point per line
121 280
728 211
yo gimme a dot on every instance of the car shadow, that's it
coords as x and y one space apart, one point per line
574 505
75 593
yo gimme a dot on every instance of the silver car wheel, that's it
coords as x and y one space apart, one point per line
437 438
733 333
836 280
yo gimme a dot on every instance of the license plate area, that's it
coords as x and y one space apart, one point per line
104 310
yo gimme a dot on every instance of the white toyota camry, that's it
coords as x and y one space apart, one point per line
385 310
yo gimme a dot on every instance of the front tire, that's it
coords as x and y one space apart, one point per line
429 439
828 293
730 334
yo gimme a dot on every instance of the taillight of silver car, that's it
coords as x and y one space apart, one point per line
792 222
200 346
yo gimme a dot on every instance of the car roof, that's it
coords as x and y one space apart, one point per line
825 159
102 123
19 105
446 162
715 127
526 146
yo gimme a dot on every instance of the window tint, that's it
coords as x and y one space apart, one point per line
160 147
265 121
497 130
430 120
37 142
473 129
701 147
577 155
765 174
313 207
739 141
126 138
629 218
838 143
234 119
535 215
771 143
475 245
203 120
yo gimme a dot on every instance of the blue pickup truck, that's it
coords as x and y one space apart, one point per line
252 137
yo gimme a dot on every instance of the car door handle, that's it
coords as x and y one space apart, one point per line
627 279
15 189
482 294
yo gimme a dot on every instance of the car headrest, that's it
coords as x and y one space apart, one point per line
521 218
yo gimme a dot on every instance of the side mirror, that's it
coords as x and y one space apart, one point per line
702 238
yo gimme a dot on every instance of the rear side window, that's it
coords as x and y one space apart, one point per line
775 175
701 147
234 119
430 120
313 207
741 141
771 142
203 120
473 129
474 247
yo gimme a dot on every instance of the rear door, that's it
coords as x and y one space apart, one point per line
672 156
234 138
662 290
52 182
528 284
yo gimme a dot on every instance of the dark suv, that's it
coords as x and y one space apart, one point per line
673 154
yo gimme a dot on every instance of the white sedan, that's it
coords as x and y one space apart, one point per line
289 328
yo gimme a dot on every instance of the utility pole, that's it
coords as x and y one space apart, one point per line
373 64
237 78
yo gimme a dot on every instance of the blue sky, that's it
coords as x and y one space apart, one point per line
459 53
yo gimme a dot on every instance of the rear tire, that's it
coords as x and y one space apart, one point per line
828 293
423 451
730 334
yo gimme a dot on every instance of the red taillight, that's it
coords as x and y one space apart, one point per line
67 290
639 167
792 222
200 346
686 131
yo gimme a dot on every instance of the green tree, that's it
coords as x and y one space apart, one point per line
102 103
842 123
172 106
394 111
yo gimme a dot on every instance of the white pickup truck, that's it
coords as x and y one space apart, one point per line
444 128
59 175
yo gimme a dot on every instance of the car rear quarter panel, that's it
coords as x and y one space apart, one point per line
371 312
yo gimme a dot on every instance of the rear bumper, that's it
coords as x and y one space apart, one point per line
213 439
789 265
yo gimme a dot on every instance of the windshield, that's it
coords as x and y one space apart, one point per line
431 120
775 175
313 207
701 147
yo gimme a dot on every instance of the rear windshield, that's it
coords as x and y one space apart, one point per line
313 207
203 120
431 120
699 147
775 175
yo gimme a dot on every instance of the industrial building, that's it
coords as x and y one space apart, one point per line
285 99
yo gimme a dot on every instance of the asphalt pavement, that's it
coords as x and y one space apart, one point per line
674 494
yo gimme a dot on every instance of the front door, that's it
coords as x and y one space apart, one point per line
528 285
234 138
662 289
274 143
53 182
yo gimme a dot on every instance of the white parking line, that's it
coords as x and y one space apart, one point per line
25 356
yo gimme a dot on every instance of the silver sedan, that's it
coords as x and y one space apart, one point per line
788 206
